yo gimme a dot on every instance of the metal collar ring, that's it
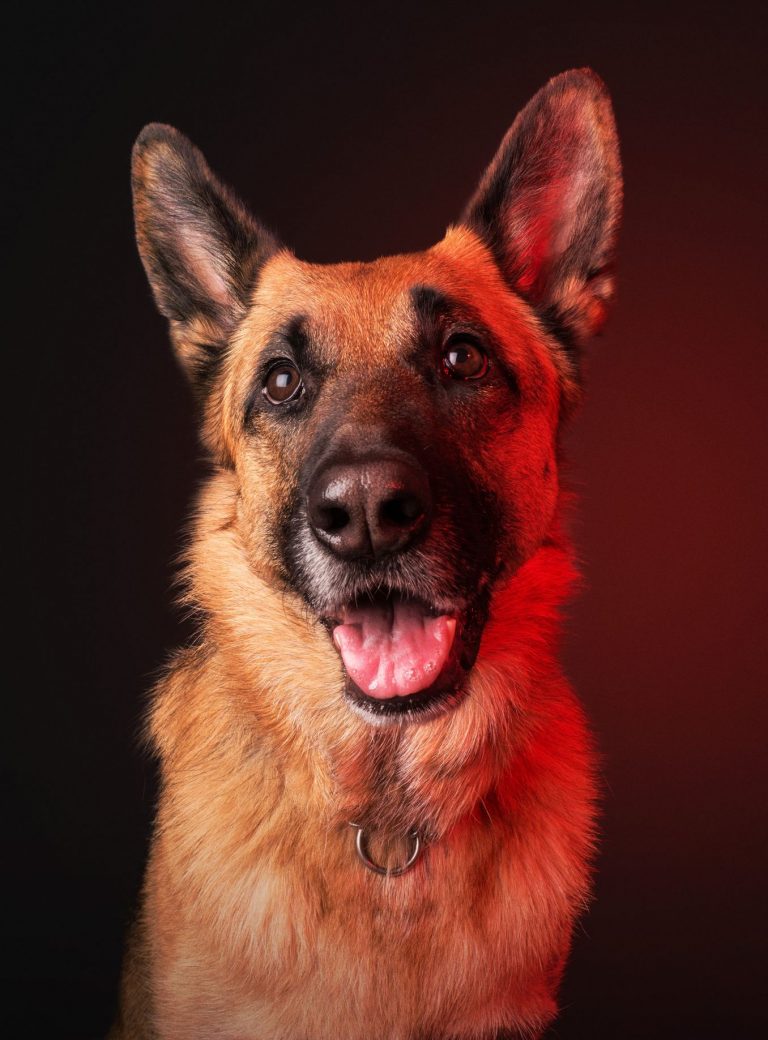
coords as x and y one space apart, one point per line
361 845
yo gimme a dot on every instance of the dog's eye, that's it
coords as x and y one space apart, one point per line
463 359
283 383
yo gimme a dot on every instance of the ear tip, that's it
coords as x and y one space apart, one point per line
584 79
155 137
157 133
589 92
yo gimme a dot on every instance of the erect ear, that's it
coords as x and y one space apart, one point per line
549 204
200 248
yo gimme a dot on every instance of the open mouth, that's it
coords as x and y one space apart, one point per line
401 656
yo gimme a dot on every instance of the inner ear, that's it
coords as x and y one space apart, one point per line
201 249
549 204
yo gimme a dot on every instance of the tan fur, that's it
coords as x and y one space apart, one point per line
262 917
258 920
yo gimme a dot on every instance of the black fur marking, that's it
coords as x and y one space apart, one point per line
440 316
205 368
485 215
554 326
303 349
292 342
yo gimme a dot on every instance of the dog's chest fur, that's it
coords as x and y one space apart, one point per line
266 920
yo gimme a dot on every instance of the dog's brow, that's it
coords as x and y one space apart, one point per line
295 332
433 307
430 305
436 312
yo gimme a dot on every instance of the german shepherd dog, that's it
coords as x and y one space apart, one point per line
377 788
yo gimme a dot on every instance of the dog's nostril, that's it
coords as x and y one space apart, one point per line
332 518
400 510
369 509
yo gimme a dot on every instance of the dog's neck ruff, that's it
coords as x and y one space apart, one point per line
415 847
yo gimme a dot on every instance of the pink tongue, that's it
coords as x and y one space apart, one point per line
393 651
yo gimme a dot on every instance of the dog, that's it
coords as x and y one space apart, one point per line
377 807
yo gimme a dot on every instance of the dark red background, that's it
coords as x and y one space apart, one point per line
358 131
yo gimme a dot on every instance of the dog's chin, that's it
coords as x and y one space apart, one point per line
444 642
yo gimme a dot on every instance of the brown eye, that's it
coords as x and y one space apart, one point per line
465 360
283 382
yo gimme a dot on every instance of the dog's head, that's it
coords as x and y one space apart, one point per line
391 427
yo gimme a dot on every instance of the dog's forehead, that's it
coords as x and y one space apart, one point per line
358 313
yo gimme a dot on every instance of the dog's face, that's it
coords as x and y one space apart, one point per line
368 412
392 426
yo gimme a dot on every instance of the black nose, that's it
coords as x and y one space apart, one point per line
372 508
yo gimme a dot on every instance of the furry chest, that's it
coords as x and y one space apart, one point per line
471 927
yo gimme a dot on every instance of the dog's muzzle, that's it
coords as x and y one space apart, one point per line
377 561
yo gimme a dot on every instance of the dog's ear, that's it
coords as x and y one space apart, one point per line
200 248
549 204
